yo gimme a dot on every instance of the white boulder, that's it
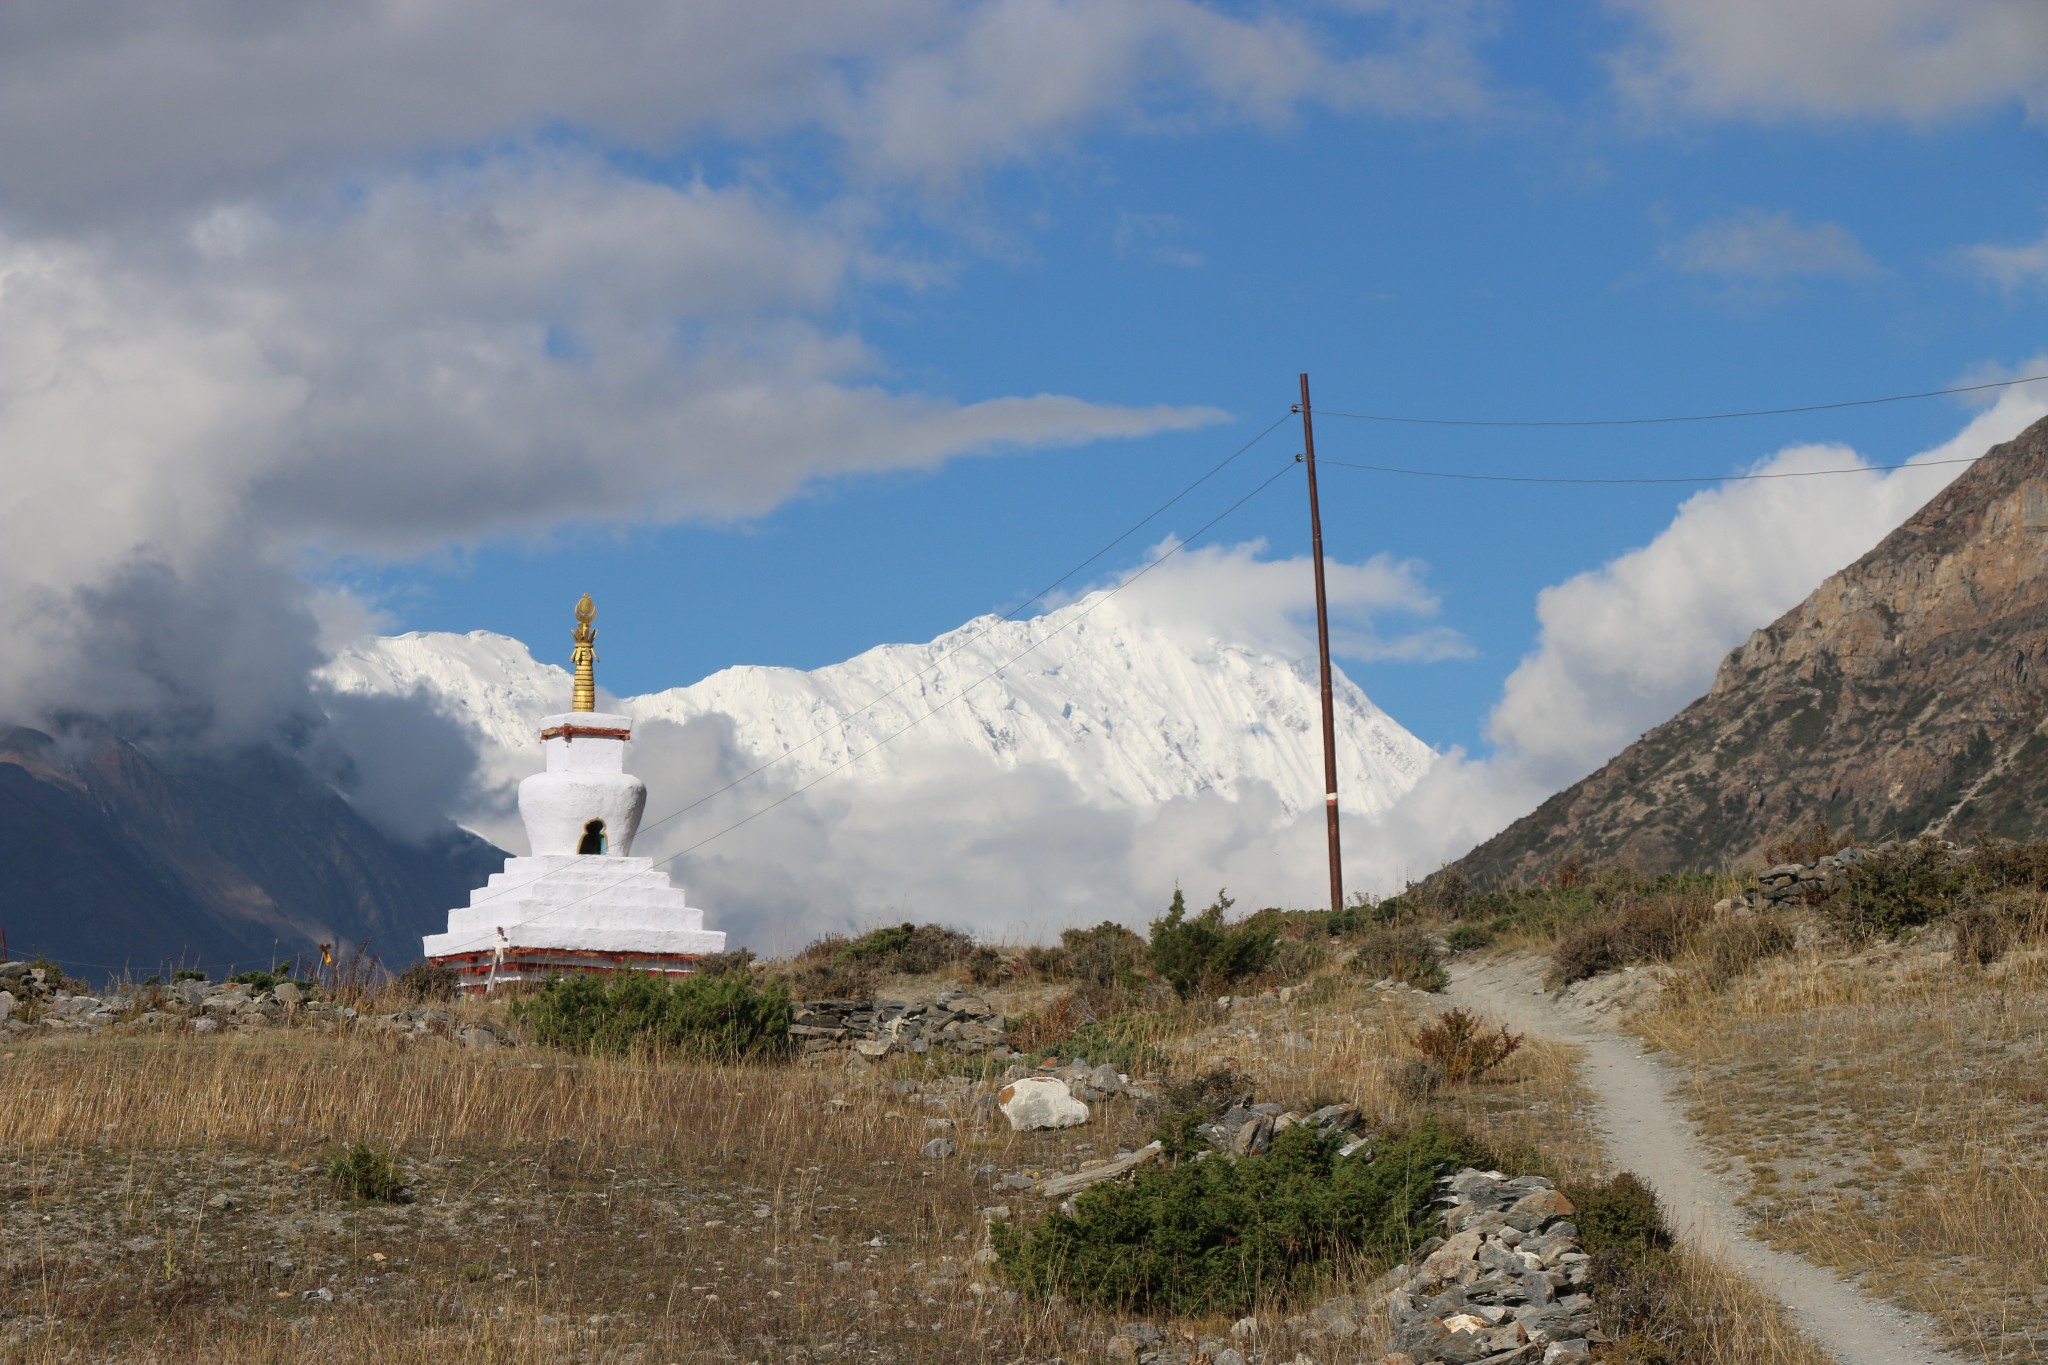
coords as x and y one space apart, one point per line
1040 1102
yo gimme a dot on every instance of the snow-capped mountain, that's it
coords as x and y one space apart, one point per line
1132 713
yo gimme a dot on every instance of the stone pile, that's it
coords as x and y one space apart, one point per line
951 1021
1505 1288
1247 1130
1795 883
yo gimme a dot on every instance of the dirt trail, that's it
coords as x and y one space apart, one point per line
1641 1118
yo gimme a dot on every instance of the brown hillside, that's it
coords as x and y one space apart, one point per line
1907 694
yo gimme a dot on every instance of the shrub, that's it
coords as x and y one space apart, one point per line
1460 1044
1203 953
1465 938
1734 948
1406 953
424 981
836 967
1633 928
1904 888
984 966
1984 931
725 1018
366 1172
188 974
1416 1079
1217 1236
1107 955
270 980
1619 1216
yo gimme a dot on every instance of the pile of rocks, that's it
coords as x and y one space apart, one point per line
1798 883
1249 1129
951 1021
1504 1289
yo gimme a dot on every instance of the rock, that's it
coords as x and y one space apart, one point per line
1229 1355
876 1050
8 1004
1040 1102
222 1201
1107 1079
938 1149
1452 1256
1060 1186
478 1039
323 1294
205 1025
288 993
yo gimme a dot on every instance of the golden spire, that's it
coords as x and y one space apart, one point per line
585 655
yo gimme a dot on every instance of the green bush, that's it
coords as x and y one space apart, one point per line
1619 1217
366 1172
1405 953
270 980
1466 938
1909 886
1217 1236
188 974
1203 953
725 1018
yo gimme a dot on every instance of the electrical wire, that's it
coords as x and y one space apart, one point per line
1667 421
1676 478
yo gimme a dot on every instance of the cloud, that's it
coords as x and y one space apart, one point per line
1624 647
217 100
1758 247
384 374
1916 60
2010 267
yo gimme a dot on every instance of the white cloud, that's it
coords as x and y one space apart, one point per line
1910 59
2010 266
535 341
1755 246
1235 594
1627 646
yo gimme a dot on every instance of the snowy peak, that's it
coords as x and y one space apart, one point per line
1133 714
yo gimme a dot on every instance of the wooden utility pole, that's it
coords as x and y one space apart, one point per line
1315 525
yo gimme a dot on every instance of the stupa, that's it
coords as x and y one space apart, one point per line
580 902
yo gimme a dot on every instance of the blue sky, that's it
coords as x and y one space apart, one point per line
790 329
1563 252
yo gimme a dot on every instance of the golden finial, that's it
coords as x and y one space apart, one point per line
585 655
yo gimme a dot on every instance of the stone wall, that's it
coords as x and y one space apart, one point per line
950 1021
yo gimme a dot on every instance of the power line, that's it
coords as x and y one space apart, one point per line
1666 421
1676 478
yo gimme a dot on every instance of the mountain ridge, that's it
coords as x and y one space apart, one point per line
1132 711
1906 694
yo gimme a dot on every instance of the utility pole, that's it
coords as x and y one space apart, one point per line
1315 524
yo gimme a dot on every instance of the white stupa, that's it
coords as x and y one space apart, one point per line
580 902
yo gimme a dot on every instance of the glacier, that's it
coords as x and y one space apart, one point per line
1134 714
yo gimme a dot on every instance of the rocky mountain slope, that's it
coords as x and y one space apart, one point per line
109 851
1907 694
1132 712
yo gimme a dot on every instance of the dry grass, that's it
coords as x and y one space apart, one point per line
1891 1111
165 1198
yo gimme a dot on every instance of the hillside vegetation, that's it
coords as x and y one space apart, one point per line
423 1180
